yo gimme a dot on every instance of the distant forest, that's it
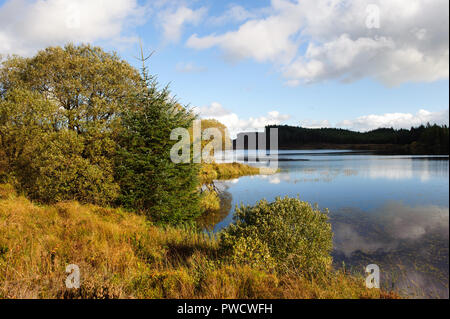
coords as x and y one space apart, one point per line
429 139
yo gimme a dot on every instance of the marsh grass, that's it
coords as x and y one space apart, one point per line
209 201
214 171
123 255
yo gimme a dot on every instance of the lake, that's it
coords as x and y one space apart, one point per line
389 210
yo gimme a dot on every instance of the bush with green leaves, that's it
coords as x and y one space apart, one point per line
296 236
59 171
251 251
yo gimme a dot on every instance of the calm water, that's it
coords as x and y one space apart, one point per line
389 210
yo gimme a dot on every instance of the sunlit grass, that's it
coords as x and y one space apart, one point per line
213 171
123 255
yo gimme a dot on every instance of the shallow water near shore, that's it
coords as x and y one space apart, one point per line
389 210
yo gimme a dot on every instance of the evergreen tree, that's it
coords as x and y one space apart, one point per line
149 181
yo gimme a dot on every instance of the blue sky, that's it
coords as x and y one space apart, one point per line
356 64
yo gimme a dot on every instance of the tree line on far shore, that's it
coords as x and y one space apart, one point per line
424 139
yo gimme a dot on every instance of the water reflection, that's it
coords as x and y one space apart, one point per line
209 220
388 210
408 168
410 244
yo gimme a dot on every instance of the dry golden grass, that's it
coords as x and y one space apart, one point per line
7 191
122 255
209 201
213 171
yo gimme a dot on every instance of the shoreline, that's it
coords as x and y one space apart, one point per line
380 149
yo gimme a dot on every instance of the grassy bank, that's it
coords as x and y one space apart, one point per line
213 171
123 255
210 200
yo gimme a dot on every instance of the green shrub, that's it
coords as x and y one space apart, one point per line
58 171
252 252
297 237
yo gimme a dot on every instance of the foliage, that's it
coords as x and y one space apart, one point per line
224 143
77 123
60 171
432 139
59 116
297 236
250 251
122 255
89 85
149 181
25 117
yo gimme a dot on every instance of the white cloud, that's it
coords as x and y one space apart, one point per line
315 40
261 39
26 26
401 225
173 21
387 120
315 124
235 13
340 58
214 110
235 124
396 120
